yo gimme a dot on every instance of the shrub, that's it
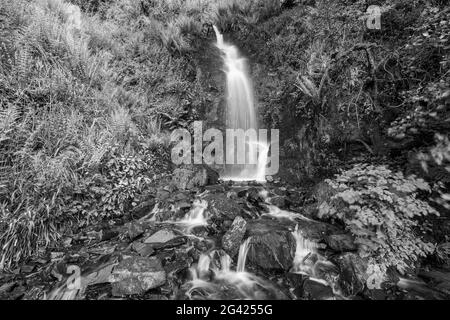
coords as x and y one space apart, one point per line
380 208
114 189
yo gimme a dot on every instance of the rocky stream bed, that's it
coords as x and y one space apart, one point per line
195 237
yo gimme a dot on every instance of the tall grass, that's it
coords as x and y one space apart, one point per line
51 124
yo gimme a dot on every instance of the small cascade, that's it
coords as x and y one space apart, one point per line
242 257
213 273
196 217
305 254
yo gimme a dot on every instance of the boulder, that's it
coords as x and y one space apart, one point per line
233 237
188 177
136 275
222 207
274 249
161 236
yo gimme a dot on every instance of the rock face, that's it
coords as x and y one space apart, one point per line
188 177
233 237
136 275
352 275
272 250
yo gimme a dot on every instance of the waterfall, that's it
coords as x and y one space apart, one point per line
241 114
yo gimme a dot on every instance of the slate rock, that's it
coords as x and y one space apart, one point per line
272 250
234 236
161 236
136 275
143 249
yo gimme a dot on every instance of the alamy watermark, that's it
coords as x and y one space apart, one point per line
249 147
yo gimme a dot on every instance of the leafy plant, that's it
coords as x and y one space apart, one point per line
381 209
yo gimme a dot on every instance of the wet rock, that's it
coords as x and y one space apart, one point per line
341 242
233 237
272 250
279 201
98 275
182 205
169 244
188 177
143 208
161 236
134 229
262 226
315 290
328 271
352 273
136 275
253 196
316 230
143 249
221 206
176 262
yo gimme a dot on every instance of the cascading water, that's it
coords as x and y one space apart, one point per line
213 273
305 254
241 113
196 217
242 257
